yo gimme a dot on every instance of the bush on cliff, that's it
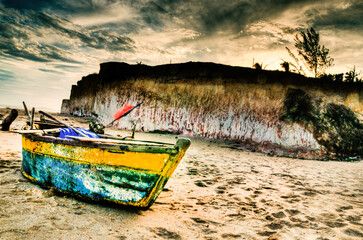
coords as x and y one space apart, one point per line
334 126
298 107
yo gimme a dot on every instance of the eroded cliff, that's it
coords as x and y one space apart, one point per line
212 101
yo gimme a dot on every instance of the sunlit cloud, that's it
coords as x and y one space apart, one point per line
46 46
114 14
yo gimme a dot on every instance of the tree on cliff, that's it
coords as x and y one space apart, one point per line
315 55
352 76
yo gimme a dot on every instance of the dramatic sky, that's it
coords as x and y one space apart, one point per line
48 45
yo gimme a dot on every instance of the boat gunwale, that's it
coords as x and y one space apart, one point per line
107 136
115 147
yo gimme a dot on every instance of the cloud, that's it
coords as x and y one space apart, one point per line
205 16
6 75
25 4
156 31
59 6
66 67
211 17
49 70
342 15
116 13
44 37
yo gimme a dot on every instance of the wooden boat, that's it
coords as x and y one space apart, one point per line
128 172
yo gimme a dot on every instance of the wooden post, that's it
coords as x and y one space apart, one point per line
32 119
26 111
5 125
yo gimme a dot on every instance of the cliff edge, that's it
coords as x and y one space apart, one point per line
270 111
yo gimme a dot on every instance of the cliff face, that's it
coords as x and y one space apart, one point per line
210 100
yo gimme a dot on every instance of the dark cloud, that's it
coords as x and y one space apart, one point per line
99 39
25 4
102 39
212 16
334 17
33 51
58 6
24 19
205 16
15 42
20 28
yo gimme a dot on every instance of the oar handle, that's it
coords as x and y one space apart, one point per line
65 124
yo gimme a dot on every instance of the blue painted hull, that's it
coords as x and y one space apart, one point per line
129 173
95 182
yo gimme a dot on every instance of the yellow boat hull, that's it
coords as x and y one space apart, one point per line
130 173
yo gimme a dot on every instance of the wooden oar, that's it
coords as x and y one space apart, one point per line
102 140
65 124
52 130
105 136
123 115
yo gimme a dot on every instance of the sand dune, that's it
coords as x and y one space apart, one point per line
215 193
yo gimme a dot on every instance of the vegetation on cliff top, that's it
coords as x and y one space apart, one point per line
315 59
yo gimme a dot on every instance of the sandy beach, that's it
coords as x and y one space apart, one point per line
216 192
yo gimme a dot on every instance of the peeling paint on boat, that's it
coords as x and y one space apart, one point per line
124 177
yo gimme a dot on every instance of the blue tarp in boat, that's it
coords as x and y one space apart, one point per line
69 132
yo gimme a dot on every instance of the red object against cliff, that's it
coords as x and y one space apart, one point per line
122 111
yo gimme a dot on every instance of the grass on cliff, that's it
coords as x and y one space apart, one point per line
334 126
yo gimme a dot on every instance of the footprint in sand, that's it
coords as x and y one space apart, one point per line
237 180
274 226
192 171
354 219
221 189
335 224
204 183
292 212
343 208
200 183
203 221
291 198
353 233
61 225
266 233
231 236
164 233
7 165
310 193
279 214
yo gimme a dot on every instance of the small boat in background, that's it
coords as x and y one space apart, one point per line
45 125
123 171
